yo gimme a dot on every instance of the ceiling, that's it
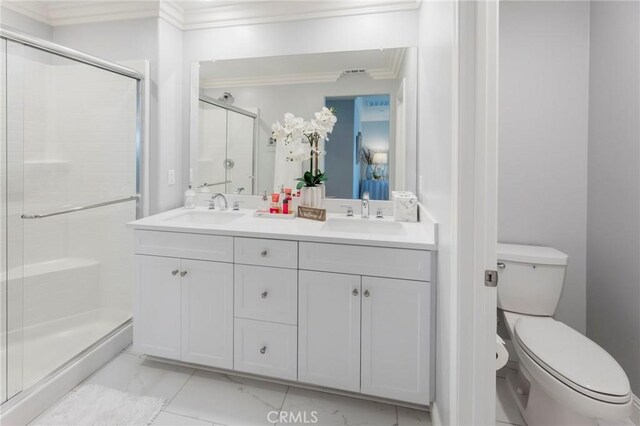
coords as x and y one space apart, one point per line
199 14
310 68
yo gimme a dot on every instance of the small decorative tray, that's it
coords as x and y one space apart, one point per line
265 214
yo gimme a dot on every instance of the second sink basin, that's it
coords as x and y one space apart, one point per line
370 226
201 217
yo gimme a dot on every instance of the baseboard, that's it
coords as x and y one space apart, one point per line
635 415
436 419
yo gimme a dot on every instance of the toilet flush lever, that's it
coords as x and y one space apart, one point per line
490 278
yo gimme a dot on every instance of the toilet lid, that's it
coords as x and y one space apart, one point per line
573 358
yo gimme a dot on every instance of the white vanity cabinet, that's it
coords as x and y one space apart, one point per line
207 313
329 330
395 352
183 308
157 293
386 310
266 307
339 316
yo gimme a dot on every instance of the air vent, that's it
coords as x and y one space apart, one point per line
377 103
355 71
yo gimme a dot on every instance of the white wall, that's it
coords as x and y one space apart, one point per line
437 148
21 23
613 239
169 146
139 39
544 72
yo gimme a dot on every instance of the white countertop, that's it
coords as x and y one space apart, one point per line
418 236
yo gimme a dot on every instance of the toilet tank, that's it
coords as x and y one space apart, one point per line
530 278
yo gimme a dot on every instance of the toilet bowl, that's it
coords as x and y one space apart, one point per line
563 377
571 379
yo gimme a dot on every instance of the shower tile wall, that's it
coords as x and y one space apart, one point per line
79 149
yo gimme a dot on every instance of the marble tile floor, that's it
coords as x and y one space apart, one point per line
203 398
507 412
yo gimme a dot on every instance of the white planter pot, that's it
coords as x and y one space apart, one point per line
311 196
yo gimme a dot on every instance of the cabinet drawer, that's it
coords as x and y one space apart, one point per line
263 252
363 260
265 348
189 246
269 294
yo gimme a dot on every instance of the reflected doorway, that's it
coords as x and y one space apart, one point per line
360 147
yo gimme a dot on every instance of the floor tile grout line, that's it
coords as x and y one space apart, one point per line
180 390
192 418
282 405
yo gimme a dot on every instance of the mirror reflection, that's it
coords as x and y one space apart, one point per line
372 145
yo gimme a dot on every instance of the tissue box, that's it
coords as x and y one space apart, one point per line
405 206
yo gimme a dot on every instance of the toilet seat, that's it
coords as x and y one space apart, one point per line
573 359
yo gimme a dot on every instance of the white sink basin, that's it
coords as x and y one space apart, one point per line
206 217
369 226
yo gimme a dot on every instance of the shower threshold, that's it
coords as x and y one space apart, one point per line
48 346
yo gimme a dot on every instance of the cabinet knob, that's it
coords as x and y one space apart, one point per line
263 350
264 294
355 292
366 293
174 272
183 273
263 253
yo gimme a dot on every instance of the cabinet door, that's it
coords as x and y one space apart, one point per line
207 313
156 325
396 328
329 330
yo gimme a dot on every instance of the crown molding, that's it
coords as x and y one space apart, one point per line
215 16
72 13
276 80
265 13
393 70
37 11
172 12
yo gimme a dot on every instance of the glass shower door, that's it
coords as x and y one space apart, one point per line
240 151
226 139
72 181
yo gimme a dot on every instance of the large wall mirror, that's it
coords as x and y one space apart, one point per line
373 144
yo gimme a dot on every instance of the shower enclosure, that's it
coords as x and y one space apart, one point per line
69 182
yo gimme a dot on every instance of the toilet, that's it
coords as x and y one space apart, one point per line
563 377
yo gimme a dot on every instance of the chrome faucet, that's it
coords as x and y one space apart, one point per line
212 201
365 205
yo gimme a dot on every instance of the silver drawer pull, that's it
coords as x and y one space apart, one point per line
263 253
174 272
355 292
263 350
183 273
501 265
366 293
264 294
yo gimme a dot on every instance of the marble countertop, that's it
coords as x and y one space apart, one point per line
418 236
